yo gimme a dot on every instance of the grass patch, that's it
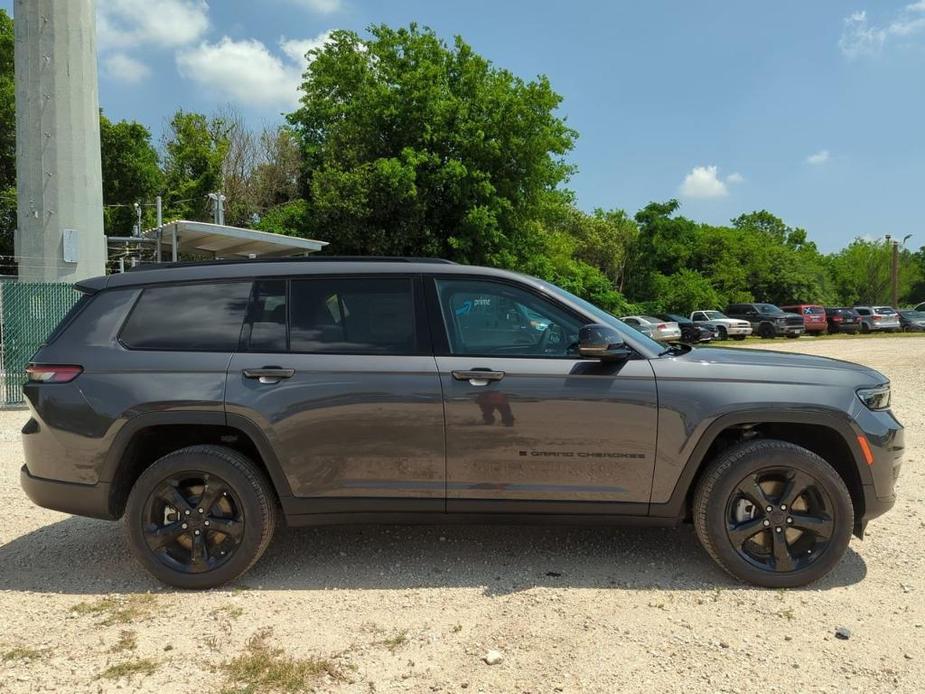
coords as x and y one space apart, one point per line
753 341
395 641
263 667
129 668
22 653
128 641
117 610
229 611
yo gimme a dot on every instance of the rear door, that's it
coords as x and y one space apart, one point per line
529 426
346 390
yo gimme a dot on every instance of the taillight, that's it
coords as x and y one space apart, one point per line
876 318
53 373
661 326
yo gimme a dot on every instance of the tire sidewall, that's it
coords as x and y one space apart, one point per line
786 455
253 516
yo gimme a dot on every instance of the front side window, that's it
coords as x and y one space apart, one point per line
196 317
485 318
352 316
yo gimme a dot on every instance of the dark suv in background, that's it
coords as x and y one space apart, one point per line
842 320
768 321
202 403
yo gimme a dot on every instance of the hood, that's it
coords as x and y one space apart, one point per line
780 367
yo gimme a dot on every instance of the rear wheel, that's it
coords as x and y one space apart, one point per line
200 516
773 513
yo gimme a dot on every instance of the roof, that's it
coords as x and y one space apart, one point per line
291 267
227 241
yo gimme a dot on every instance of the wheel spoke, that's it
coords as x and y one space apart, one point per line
783 561
821 526
753 491
198 553
231 527
797 483
211 494
157 537
172 496
739 533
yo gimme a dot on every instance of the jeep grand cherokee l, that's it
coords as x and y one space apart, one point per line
202 403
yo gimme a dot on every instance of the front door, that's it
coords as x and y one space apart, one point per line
529 426
346 391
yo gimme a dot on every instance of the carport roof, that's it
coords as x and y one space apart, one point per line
230 242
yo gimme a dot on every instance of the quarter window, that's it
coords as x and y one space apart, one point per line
188 318
484 318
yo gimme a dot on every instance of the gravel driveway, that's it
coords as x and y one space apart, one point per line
379 609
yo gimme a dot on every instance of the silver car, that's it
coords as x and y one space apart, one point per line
666 331
884 318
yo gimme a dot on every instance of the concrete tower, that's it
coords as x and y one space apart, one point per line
58 173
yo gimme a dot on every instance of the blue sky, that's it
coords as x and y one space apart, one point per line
815 111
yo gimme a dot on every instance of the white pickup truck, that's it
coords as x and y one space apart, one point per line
723 325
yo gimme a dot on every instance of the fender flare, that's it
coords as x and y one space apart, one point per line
831 419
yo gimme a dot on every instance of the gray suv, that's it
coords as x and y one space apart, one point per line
204 403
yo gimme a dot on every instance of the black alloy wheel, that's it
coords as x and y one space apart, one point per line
767 331
772 513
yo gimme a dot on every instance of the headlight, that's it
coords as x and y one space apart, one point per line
876 398
781 321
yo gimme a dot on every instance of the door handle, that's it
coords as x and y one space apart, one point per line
269 374
478 377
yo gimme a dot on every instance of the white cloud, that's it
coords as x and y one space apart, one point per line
320 6
161 23
860 37
124 68
247 72
703 182
735 178
818 158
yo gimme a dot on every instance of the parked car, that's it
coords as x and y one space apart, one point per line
768 321
657 329
842 320
723 325
920 307
874 318
691 333
202 402
814 319
911 320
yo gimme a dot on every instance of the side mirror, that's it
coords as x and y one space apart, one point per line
598 341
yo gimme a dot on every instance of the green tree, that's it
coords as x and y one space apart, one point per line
195 148
861 273
7 144
130 174
414 147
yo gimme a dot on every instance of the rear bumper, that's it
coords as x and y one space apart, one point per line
68 497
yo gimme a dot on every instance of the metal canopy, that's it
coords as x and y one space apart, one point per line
226 242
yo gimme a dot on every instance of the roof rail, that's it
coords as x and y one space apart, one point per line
297 259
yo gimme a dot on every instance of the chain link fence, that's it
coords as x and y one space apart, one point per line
29 311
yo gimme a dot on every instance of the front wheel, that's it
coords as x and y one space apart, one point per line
721 333
766 331
200 516
773 513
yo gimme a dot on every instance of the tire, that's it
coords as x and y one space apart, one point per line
766 331
721 333
240 500
865 328
718 497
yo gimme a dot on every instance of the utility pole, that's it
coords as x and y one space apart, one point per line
218 207
894 266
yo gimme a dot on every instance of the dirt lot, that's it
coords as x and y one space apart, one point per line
415 608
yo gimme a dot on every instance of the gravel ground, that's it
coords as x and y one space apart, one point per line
379 609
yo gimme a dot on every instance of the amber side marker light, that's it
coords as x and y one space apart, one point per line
52 373
865 449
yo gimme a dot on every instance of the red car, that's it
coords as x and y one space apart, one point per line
813 317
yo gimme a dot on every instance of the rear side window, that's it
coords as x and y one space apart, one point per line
352 316
188 318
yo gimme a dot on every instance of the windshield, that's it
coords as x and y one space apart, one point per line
813 310
606 318
769 309
913 315
714 315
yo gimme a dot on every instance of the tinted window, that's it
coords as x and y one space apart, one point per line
188 317
485 317
352 316
770 309
813 310
265 327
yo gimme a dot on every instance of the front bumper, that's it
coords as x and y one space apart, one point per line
738 330
68 497
790 329
886 438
